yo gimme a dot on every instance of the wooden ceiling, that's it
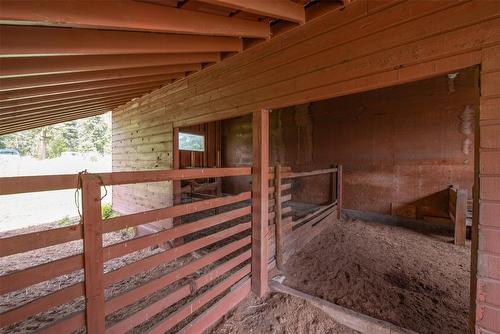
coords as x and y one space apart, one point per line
67 59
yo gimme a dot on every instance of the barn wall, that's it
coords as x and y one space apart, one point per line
141 145
400 145
364 46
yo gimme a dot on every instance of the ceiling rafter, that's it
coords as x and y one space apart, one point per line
60 103
126 15
80 94
10 84
27 66
46 91
281 9
43 41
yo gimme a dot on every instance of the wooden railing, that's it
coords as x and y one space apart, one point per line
290 235
457 208
229 274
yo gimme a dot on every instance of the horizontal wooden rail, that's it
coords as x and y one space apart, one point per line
23 278
69 324
218 310
291 175
121 222
171 254
152 286
199 302
129 246
147 312
314 214
25 184
41 239
42 304
116 178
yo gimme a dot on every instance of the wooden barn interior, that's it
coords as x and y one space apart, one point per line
278 166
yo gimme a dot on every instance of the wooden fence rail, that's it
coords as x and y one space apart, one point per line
228 246
288 234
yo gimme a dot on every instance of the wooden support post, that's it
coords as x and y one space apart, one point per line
461 217
333 185
278 216
339 191
260 206
93 254
176 184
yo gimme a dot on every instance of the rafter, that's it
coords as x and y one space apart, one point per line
280 9
73 101
64 98
126 15
40 41
46 91
26 66
91 76
61 109
31 124
141 87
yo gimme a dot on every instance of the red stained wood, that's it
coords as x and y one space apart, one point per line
25 40
24 184
461 217
41 304
67 325
278 223
339 191
159 238
93 254
150 287
171 254
292 175
43 272
260 194
284 9
30 241
218 310
130 16
200 301
12 67
122 222
154 308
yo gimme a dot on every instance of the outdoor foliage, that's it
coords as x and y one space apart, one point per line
191 142
91 134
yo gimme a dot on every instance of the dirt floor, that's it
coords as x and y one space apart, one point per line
412 279
278 313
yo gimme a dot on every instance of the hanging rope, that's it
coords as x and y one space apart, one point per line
79 187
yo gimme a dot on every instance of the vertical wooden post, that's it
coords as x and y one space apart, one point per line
278 215
176 185
460 217
93 254
339 191
333 185
260 205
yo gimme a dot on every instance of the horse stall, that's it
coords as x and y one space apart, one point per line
278 166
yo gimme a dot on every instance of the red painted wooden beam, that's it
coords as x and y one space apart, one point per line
25 66
41 41
127 15
281 9
260 205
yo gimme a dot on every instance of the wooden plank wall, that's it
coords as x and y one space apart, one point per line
488 267
366 45
140 144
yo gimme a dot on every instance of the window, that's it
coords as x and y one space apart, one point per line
191 142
